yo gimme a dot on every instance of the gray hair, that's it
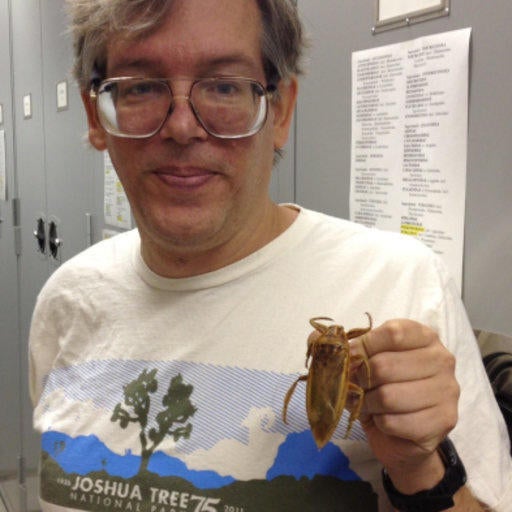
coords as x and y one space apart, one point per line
94 21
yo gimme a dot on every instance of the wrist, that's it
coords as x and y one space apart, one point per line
436 498
410 479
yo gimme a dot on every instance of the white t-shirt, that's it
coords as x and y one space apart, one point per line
166 394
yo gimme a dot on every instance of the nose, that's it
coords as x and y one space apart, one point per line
181 123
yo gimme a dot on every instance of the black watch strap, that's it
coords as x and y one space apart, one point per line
439 497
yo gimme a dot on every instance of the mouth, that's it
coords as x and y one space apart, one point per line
188 178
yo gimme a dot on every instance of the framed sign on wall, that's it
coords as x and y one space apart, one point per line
391 14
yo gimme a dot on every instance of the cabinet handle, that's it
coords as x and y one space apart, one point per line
40 235
54 241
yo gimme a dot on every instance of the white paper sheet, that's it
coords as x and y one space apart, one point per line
409 140
116 207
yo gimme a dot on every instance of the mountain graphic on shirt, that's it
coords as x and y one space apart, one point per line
80 472
297 457
86 473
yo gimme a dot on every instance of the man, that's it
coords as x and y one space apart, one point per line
161 358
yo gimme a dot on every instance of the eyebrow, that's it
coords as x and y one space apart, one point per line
204 67
132 64
232 60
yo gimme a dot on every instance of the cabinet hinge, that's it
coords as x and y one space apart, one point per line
21 470
16 221
16 211
88 229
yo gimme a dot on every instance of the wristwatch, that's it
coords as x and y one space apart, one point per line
439 497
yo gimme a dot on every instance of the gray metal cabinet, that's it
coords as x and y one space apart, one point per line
55 181
31 180
51 171
9 324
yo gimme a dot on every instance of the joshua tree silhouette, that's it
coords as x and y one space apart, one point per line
171 420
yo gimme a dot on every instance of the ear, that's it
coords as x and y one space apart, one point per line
283 107
97 135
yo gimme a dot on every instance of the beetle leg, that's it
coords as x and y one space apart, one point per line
355 407
355 333
360 359
289 395
318 326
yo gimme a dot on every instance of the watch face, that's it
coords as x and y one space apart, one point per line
439 497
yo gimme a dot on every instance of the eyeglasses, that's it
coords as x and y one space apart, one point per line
226 107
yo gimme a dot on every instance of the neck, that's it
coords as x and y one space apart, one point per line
178 261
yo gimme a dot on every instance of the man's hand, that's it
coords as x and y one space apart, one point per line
411 403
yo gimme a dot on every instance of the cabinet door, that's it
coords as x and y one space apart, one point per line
31 179
54 169
9 326
68 157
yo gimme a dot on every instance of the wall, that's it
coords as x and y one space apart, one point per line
323 137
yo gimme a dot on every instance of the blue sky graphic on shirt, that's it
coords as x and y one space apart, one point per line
237 418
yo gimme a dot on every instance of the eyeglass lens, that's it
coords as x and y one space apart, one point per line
227 107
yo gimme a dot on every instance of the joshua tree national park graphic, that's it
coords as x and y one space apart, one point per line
85 473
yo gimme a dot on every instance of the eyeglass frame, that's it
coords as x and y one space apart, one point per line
269 92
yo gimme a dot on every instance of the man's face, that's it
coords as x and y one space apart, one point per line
188 190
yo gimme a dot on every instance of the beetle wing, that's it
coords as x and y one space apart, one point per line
326 394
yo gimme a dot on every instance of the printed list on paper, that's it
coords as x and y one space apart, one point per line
409 140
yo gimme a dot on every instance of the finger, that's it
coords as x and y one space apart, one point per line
418 426
411 365
413 396
394 336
